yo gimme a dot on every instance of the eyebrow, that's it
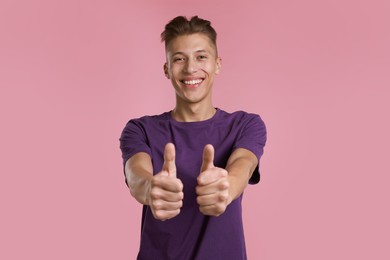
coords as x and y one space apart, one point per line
182 53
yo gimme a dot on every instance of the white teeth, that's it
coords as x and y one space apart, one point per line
192 82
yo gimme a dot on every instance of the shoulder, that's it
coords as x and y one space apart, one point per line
148 119
144 124
240 117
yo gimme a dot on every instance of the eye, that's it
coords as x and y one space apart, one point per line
202 57
178 59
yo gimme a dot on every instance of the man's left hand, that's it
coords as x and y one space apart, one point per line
213 186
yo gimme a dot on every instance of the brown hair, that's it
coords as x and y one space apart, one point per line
180 25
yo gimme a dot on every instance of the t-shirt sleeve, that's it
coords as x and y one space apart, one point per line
133 140
253 138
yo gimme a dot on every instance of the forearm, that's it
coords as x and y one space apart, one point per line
139 174
240 170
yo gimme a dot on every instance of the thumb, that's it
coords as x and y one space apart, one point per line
208 158
169 159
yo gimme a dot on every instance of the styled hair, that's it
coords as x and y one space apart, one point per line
180 25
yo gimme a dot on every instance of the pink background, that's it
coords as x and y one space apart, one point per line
73 72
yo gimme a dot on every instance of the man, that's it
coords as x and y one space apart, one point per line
190 166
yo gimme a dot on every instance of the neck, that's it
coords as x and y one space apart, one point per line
193 113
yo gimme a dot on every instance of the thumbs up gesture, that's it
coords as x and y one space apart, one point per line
166 191
213 185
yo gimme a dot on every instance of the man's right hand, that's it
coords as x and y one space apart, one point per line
166 191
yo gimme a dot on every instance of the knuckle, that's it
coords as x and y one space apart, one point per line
222 197
177 212
221 172
180 204
179 184
200 179
154 193
224 185
159 215
156 204
171 214
227 184
219 209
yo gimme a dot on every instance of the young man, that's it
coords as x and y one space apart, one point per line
190 166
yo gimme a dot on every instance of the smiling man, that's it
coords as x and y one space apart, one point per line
189 167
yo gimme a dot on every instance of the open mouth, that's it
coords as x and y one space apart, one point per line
192 83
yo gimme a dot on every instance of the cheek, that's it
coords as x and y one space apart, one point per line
210 69
175 70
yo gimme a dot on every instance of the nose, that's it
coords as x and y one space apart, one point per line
190 67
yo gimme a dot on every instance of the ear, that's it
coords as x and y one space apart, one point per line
166 70
219 65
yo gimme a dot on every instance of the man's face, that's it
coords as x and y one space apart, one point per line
191 65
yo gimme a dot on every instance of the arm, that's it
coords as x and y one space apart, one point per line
240 166
139 174
218 187
162 192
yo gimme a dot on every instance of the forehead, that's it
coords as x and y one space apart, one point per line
190 43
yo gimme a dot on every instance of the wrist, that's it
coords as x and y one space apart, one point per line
140 190
235 188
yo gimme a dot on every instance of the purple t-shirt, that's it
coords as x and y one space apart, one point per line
192 235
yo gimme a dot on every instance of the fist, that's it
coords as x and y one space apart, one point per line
213 186
166 191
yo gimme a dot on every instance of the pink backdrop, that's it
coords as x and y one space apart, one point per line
73 72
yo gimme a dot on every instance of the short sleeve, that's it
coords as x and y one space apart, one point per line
253 137
133 140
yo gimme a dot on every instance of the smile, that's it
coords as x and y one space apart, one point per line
192 82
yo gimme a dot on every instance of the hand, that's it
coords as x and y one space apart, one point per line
213 186
166 191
